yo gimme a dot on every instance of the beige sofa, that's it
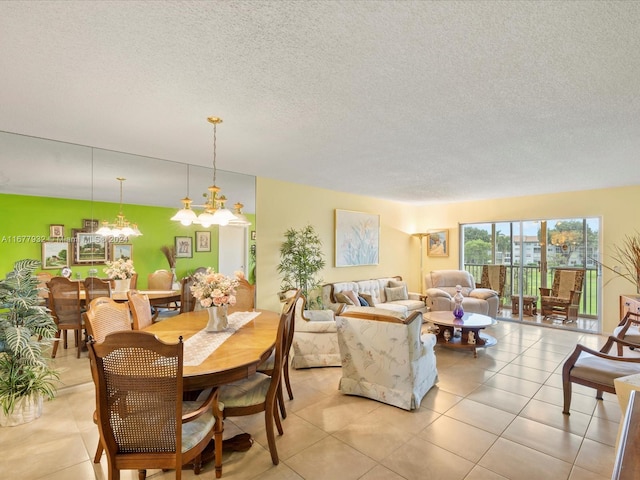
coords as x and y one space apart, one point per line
441 287
389 293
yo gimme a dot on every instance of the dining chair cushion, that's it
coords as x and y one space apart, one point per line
194 431
602 370
269 362
631 335
247 392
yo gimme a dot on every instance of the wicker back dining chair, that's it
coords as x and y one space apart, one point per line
259 392
105 316
66 309
95 287
142 419
140 308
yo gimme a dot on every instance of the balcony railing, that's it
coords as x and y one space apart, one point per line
532 281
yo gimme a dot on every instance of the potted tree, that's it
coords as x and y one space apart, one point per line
301 259
25 328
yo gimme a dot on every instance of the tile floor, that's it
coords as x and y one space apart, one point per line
495 417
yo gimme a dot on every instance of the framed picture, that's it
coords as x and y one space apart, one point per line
253 235
203 241
357 238
56 231
121 251
438 243
89 248
90 224
184 247
55 255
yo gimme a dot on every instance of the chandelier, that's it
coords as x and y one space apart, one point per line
121 227
215 212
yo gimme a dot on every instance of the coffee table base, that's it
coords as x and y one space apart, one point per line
461 339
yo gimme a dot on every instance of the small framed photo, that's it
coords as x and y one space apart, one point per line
122 251
89 248
438 243
253 235
90 224
184 247
203 241
55 255
56 231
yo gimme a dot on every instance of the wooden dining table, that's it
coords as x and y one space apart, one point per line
237 358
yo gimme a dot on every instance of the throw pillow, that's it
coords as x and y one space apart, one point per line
396 293
352 296
342 298
370 299
363 302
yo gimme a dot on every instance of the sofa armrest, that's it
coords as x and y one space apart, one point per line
415 296
318 315
436 292
483 293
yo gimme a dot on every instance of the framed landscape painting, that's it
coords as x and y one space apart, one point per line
121 251
357 238
89 248
55 255
438 244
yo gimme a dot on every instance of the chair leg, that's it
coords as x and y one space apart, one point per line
566 387
56 341
599 394
270 415
287 382
283 410
98 455
65 339
142 474
217 439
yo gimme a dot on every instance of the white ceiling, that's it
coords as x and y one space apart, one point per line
418 102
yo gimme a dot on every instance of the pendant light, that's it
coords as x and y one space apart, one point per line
121 227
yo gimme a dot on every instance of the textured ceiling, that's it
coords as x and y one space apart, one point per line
418 102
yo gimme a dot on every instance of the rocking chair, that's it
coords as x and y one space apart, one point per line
563 298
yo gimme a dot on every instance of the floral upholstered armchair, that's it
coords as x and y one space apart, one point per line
385 357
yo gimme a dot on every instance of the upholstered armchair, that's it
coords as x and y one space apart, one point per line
385 357
315 343
441 287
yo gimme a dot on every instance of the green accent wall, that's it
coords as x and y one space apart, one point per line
26 221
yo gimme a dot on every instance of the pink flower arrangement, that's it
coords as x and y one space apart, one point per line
213 289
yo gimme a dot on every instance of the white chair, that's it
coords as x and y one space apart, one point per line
385 357
315 341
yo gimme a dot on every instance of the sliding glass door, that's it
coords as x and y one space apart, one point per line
532 251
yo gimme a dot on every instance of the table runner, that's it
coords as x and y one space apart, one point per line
204 343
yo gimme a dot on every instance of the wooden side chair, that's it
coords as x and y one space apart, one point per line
628 329
143 421
563 298
140 309
95 287
259 392
161 280
103 317
66 308
597 369
187 300
43 291
268 365
245 297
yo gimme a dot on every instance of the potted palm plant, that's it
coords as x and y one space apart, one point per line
26 377
301 259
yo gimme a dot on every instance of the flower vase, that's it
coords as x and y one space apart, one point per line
458 312
26 409
121 285
218 320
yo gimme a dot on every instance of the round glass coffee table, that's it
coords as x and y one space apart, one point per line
462 332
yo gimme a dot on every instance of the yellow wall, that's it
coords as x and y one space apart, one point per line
282 205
